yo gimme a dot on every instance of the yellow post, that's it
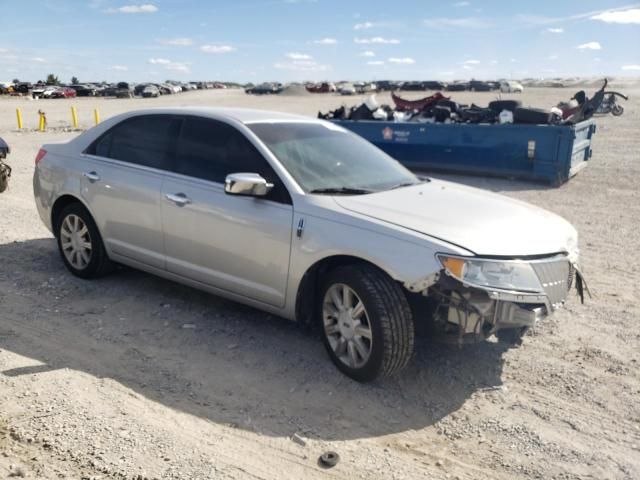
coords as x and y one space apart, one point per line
74 117
19 116
42 123
96 116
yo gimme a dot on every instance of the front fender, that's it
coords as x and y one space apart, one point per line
407 258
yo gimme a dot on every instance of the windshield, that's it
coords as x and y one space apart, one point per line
327 159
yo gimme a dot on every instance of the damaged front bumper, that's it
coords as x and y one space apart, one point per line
466 313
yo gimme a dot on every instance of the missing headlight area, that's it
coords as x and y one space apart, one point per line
468 315
463 313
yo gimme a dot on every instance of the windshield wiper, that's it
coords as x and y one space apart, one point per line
342 191
408 184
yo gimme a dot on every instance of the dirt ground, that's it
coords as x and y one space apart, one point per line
102 379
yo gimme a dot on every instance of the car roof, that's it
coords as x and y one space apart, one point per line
243 115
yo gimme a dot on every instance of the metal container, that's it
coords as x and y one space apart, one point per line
548 153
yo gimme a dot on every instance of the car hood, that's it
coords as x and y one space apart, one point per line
482 222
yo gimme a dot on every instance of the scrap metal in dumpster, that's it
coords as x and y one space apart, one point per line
548 153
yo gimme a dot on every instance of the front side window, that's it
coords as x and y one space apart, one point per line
147 140
211 150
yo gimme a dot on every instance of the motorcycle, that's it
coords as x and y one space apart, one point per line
5 170
580 107
609 104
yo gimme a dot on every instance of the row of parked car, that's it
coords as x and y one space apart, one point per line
120 89
353 88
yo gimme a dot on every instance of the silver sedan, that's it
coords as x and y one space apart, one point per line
305 220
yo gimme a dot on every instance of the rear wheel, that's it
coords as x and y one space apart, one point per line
80 244
367 322
617 110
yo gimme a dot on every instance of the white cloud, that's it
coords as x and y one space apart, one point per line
368 53
555 30
467 67
378 40
302 66
631 67
363 26
326 41
120 68
298 56
493 62
375 62
170 65
217 48
461 4
553 57
402 61
631 15
472 62
178 42
590 46
457 23
38 59
145 8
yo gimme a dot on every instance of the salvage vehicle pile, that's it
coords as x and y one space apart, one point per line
438 108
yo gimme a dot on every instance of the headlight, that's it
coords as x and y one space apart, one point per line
504 275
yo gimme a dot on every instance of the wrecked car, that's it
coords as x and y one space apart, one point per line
306 220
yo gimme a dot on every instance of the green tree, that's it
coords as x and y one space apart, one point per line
15 80
52 80
74 80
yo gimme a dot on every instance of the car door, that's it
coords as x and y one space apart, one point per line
238 244
122 184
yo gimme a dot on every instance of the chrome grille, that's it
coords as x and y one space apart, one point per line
554 276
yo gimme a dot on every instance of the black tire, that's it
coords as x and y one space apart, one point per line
617 110
500 105
511 336
389 316
99 263
533 116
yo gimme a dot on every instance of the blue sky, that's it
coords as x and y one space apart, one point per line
258 40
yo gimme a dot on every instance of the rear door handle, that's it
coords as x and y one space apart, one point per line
91 176
179 199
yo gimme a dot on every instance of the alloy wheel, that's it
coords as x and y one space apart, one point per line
75 241
347 326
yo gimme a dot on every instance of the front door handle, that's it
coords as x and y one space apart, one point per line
179 199
91 176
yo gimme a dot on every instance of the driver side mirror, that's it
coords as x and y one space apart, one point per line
247 184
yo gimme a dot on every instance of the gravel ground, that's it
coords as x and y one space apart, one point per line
136 377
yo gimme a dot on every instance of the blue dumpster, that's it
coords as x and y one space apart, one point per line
549 153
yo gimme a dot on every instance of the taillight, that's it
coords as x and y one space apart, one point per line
41 153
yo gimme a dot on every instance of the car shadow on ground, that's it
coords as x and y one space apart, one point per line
219 360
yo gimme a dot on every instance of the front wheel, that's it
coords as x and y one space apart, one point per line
367 323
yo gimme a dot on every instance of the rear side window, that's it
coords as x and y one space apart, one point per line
148 140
